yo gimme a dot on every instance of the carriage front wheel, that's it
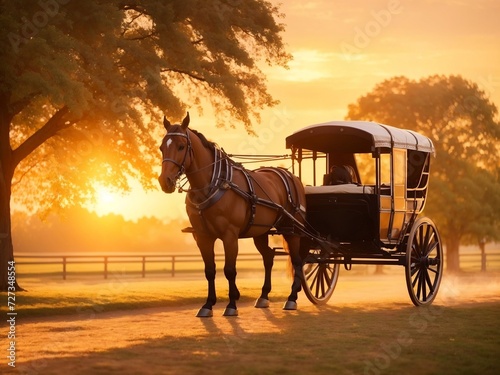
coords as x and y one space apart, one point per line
424 262
320 277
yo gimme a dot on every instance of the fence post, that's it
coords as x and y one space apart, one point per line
173 265
64 268
105 267
143 267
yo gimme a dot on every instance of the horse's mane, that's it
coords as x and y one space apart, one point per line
208 144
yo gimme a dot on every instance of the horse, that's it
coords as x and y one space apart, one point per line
226 201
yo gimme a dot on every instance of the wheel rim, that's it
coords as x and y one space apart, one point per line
424 262
320 277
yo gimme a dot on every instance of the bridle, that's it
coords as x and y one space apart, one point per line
181 166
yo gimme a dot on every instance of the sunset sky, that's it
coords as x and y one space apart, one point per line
341 50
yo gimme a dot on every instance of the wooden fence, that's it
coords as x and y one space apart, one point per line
36 265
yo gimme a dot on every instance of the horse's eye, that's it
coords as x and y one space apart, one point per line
181 147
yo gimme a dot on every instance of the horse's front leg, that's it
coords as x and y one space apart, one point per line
262 245
206 246
230 242
294 248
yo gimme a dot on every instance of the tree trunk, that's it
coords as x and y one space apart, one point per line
452 254
6 247
482 247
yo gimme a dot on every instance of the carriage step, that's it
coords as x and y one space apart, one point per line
187 230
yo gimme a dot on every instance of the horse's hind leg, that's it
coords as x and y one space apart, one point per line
262 245
206 246
294 248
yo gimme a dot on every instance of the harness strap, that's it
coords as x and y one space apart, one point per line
221 181
252 199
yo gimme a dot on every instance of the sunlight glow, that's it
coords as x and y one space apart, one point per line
106 201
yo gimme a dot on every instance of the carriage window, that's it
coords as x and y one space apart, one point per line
366 168
385 169
399 166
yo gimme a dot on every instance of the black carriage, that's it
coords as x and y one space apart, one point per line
369 184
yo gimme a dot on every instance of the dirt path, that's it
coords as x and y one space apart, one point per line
58 344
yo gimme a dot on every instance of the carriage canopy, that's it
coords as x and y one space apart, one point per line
357 136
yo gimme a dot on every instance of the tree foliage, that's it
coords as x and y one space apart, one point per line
83 84
458 116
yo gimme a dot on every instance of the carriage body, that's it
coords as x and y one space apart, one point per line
373 219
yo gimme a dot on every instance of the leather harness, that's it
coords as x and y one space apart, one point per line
222 180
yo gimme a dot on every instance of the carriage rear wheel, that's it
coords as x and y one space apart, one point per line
320 277
424 262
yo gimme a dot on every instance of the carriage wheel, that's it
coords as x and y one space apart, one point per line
320 277
424 262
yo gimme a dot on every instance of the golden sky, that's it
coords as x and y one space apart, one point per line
342 49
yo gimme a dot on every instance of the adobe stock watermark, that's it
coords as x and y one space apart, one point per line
418 323
363 36
31 27
223 9
256 145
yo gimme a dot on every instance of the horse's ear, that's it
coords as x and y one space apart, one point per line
185 122
166 123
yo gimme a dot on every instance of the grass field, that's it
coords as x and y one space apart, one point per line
135 326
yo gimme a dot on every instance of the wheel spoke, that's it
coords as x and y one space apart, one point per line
417 276
424 285
318 282
432 246
433 270
321 282
315 278
426 241
413 270
312 272
429 283
419 283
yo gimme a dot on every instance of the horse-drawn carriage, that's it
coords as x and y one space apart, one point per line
368 215
372 219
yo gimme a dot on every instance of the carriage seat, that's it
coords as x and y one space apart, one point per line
340 189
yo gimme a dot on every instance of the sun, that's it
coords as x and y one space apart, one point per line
106 201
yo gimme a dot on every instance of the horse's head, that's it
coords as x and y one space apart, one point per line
176 154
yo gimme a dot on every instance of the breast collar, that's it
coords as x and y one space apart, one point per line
220 182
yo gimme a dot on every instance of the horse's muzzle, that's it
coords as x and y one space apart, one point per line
167 184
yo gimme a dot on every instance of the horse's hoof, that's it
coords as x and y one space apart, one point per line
290 305
262 303
229 311
205 313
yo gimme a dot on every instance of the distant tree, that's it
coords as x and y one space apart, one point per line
83 85
464 197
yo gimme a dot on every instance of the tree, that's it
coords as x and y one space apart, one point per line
457 115
83 85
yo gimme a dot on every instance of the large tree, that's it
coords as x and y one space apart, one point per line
83 83
464 197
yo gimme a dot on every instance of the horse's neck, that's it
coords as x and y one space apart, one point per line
201 168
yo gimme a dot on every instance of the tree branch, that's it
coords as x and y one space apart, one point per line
51 127
192 75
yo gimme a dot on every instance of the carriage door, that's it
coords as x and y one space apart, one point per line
393 207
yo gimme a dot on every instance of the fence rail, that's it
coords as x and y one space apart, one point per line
171 263
174 264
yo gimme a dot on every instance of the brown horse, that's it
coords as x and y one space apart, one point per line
227 202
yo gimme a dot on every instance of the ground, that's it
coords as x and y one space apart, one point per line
368 327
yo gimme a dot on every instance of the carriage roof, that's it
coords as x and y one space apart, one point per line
357 136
